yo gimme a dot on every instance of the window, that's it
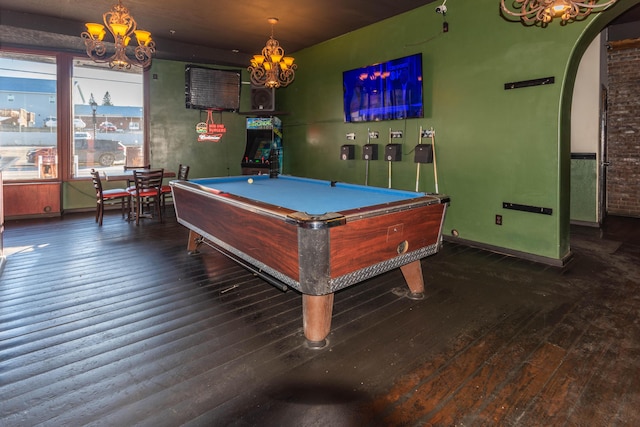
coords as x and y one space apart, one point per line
105 104
27 145
109 136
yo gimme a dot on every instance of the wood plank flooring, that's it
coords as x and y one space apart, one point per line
119 326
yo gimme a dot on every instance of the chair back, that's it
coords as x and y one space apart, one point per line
183 172
97 183
128 168
148 181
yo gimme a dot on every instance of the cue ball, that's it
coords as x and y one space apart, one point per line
250 180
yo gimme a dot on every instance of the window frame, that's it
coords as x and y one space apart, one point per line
64 114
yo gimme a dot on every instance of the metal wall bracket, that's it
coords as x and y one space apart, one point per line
527 208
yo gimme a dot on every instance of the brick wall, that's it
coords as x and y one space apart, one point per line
623 128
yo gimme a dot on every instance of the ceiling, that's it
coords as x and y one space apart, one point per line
219 28
226 32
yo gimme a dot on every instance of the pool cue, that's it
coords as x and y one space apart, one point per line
366 166
389 160
435 164
418 163
366 173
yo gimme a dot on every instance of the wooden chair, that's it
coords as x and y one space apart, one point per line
183 174
129 168
104 196
147 193
130 183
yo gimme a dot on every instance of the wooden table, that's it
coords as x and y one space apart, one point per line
128 175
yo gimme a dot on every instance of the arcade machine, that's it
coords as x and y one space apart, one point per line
263 153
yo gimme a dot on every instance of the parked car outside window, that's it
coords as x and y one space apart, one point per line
79 124
107 127
105 151
50 122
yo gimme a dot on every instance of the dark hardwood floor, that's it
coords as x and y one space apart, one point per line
118 326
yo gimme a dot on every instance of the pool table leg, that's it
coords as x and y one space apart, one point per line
316 317
194 241
412 273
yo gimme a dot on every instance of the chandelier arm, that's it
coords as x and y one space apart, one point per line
523 5
542 11
92 45
595 4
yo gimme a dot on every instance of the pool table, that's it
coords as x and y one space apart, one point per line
312 235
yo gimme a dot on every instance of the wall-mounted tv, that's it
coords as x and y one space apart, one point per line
209 88
390 90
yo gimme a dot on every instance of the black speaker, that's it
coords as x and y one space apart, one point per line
348 152
370 152
424 153
263 98
393 152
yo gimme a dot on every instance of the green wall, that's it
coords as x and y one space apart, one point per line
173 138
493 145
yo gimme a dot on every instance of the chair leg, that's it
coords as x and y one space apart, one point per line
100 214
158 204
138 210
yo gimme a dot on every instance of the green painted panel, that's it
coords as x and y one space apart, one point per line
584 196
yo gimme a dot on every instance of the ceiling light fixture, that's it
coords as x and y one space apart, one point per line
122 26
272 68
544 11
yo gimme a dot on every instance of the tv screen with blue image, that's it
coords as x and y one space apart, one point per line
389 90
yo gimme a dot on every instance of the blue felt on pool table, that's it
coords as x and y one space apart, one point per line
312 196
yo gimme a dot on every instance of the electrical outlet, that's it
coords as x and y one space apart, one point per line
498 219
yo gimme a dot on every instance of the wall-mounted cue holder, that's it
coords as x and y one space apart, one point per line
527 208
348 152
529 83
395 134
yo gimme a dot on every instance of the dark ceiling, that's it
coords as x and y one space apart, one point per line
218 27
226 32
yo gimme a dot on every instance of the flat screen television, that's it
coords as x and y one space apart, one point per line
389 90
209 88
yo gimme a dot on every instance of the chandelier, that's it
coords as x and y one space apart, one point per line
122 26
543 11
272 68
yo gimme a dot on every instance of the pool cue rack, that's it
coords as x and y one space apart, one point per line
426 153
393 151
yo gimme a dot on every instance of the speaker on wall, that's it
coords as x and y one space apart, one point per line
370 152
263 98
348 152
423 153
393 152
